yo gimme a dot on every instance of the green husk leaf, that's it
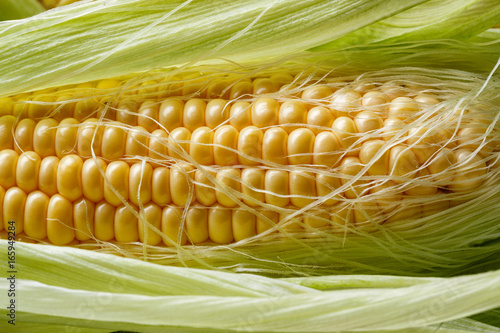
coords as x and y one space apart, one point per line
448 19
19 9
50 296
111 38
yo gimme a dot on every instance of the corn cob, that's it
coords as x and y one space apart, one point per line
198 161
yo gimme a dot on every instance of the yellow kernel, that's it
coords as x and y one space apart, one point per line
351 167
63 107
240 115
23 135
13 209
422 142
83 218
8 165
317 92
6 106
402 214
158 146
148 115
152 214
441 166
326 150
44 137
325 185
241 89
220 229
291 224
264 86
171 226
194 114
367 216
69 177
178 143
137 142
197 224
60 228
392 127
35 215
402 163
42 106
140 176
117 175
90 136
181 184
252 186
28 166
386 195
367 122
126 112
227 180
2 195
402 108
274 145
93 180
394 89
344 129
379 166
268 220
66 137
84 108
426 100
104 219
376 101
474 137
171 114
265 112
317 219
244 224
108 84
47 176
300 146
437 205
160 186
302 188
204 188
470 171
113 142
346 103
292 113
320 119
217 89
281 78
7 124
217 113
226 145
250 145
276 184
201 144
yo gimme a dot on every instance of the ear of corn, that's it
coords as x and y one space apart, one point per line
301 165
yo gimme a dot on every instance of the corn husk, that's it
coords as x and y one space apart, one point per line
100 291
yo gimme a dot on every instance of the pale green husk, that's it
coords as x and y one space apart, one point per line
125 294
66 289
94 40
